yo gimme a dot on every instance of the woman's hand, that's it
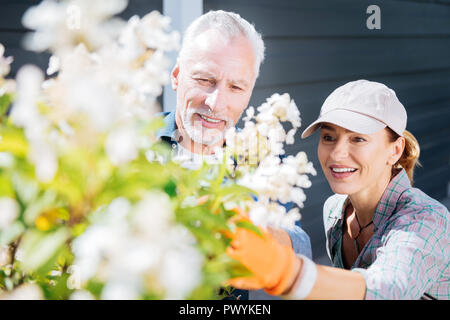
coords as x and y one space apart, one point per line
274 265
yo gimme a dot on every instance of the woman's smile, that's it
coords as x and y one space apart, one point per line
341 171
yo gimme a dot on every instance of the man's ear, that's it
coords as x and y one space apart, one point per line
174 76
397 150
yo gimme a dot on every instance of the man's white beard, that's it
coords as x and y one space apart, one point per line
200 134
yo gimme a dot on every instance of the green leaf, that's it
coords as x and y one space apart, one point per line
5 102
154 125
235 192
40 249
95 287
171 188
250 226
26 188
237 270
57 289
6 187
45 201
11 233
13 141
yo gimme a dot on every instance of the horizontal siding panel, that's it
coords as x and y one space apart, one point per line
412 89
299 61
13 44
338 18
11 11
12 31
141 8
439 176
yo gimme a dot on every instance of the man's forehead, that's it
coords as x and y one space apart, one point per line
212 41
209 38
209 69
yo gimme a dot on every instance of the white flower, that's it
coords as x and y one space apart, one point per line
53 65
250 113
257 148
122 145
5 256
101 240
6 160
259 215
60 26
127 245
81 295
45 160
4 62
290 136
152 30
120 290
26 291
24 112
153 215
181 271
9 211
7 86
298 196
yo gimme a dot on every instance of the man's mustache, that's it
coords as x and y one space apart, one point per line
206 111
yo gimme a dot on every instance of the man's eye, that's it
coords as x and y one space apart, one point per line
236 88
204 81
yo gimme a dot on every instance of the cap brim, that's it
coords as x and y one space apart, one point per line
347 119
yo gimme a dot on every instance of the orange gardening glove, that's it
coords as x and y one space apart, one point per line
272 264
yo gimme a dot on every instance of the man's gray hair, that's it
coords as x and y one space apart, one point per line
231 25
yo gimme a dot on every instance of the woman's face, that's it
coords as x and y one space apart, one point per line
354 162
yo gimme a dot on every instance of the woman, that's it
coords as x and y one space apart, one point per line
386 239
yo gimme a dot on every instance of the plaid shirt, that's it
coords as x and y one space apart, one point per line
409 253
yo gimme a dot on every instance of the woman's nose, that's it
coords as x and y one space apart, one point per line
340 151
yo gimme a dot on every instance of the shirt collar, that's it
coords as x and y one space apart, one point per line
168 132
387 203
390 197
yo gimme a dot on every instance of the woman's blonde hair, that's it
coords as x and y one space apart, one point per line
410 156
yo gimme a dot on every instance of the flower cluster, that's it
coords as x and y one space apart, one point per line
92 205
61 25
6 85
138 249
258 149
111 81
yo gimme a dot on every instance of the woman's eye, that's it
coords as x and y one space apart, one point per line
327 137
359 139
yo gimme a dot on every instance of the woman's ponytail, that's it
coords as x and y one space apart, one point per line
410 157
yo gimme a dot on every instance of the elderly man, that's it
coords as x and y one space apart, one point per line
214 78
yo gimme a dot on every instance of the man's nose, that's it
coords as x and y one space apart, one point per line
215 99
340 150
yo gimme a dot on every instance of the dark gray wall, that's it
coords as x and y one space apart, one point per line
314 46
12 30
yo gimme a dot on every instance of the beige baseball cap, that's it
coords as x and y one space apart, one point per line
362 106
